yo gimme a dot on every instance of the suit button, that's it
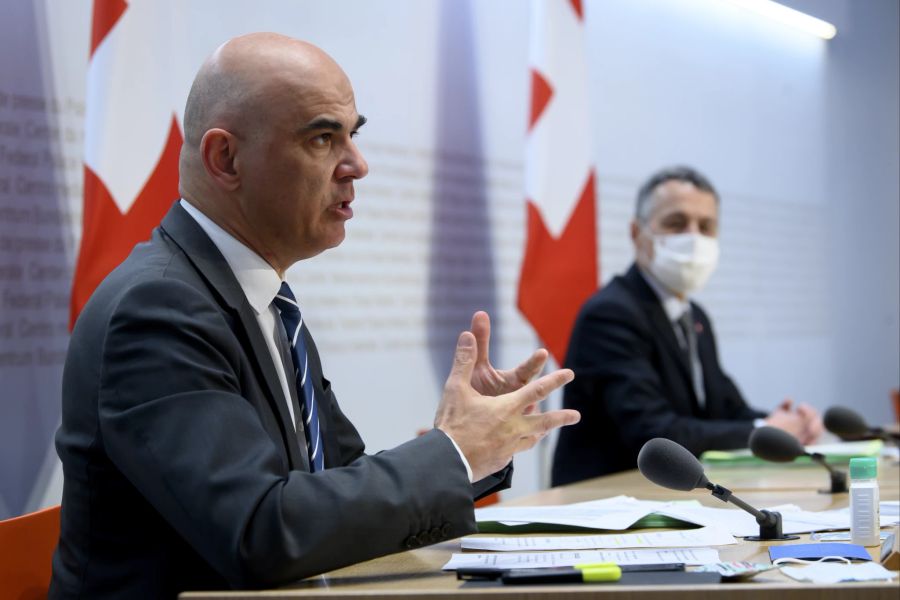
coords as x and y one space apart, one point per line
435 535
412 542
446 530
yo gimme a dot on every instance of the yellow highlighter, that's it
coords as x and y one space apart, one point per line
583 573
599 572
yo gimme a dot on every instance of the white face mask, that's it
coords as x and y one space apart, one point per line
683 262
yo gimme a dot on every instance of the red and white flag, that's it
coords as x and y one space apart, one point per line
559 270
132 137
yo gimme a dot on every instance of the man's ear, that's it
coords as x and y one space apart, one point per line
643 249
635 231
218 149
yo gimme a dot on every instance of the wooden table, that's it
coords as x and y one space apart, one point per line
417 574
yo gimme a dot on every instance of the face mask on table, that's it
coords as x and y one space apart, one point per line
683 262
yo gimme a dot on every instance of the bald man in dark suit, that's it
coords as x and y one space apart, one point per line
201 443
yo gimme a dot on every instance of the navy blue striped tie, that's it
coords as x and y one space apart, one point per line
293 324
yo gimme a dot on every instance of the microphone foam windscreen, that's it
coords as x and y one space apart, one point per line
670 465
845 422
776 445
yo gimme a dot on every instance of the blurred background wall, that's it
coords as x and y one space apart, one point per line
800 135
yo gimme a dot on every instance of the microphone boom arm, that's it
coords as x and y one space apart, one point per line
770 524
838 478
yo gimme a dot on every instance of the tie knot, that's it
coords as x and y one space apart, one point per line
285 300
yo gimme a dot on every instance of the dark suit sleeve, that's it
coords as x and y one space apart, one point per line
612 350
174 421
499 481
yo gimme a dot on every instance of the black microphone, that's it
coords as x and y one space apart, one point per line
849 425
777 445
671 465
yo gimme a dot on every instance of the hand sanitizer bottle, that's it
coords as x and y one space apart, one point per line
865 525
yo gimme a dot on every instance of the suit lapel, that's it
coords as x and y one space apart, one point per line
260 355
201 251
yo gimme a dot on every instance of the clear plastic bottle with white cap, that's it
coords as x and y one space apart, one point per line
865 525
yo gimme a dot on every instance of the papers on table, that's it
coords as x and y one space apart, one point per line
620 512
705 536
890 508
532 560
616 513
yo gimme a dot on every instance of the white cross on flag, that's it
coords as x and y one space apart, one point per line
132 137
559 270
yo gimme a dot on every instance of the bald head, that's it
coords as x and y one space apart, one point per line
230 90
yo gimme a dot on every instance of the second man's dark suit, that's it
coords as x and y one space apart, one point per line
632 383
182 467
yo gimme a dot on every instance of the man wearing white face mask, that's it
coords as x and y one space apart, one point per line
645 356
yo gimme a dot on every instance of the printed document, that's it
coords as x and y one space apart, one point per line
705 536
534 560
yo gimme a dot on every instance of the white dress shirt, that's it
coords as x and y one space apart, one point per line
260 283
672 305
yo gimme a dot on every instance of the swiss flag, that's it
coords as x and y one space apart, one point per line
132 140
559 270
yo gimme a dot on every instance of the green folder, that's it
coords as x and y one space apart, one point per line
651 521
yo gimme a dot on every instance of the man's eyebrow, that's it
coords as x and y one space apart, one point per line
322 123
332 124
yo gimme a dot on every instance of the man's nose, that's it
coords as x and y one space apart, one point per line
353 165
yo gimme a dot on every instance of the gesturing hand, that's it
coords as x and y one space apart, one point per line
489 430
485 378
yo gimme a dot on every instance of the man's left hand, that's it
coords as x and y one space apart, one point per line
487 380
814 427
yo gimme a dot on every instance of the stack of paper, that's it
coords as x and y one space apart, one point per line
705 536
532 560
613 514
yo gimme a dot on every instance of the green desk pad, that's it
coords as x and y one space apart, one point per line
745 457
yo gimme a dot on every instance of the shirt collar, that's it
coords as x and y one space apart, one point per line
673 306
257 278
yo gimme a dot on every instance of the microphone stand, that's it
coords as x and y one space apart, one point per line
875 433
838 478
769 521
886 436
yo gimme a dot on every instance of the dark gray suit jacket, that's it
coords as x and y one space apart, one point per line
632 383
182 468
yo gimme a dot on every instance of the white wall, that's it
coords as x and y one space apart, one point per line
862 188
799 135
